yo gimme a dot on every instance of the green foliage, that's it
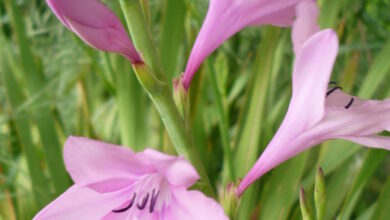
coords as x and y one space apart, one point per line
52 85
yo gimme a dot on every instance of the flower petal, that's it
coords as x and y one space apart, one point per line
193 205
96 24
374 141
305 25
363 118
103 165
226 17
311 74
82 203
177 170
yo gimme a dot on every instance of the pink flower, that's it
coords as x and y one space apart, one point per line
112 182
317 113
96 25
227 17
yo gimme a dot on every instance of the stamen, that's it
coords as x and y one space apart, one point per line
330 91
153 200
332 83
144 201
349 103
127 207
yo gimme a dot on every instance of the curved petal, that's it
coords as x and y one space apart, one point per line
193 205
96 24
374 141
103 165
312 69
351 116
82 203
226 17
177 170
311 75
305 24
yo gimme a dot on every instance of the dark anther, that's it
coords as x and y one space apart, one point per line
332 83
153 200
330 91
127 207
349 104
144 201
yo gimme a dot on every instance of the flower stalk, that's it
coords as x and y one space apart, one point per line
151 77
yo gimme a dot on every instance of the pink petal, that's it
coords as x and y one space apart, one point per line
311 74
82 203
373 141
177 170
312 69
363 118
96 24
193 205
102 166
227 17
305 24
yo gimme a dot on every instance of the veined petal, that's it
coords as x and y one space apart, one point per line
374 141
103 166
82 203
305 24
351 116
226 17
177 170
193 205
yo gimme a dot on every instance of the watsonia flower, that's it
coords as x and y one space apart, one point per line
320 111
112 182
96 25
226 17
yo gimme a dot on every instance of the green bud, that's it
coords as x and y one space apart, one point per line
229 200
181 98
320 194
305 206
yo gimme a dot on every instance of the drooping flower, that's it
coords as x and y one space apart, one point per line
226 17
317 113
112 182
96 25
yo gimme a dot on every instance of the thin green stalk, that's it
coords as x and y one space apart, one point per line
153 80
44 118
223 122
141 35
38 181
161 96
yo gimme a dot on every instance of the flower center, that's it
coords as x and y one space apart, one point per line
150 192
141 205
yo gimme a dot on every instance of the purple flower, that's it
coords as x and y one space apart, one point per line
112 182
227 17
320 111
96 25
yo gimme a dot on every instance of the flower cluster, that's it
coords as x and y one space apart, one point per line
112 182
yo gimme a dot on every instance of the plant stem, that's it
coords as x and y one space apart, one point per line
223 123
154 82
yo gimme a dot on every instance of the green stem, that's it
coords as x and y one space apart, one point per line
154 81
223 122
141 35
161 96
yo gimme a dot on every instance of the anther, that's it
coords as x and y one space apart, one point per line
332 83
127 207
153 200
330 91
143 203
349 103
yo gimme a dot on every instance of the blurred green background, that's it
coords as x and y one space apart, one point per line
52 85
